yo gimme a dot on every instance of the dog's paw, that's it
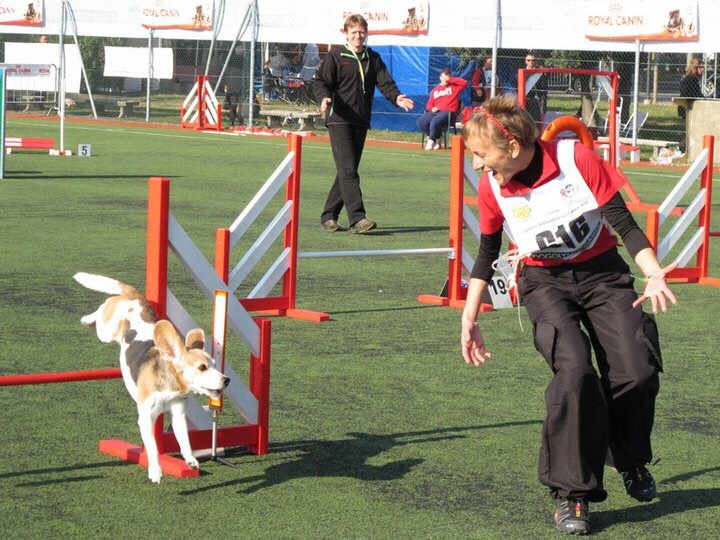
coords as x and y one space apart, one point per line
192 463
154 474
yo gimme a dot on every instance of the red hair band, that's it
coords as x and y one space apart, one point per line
497 123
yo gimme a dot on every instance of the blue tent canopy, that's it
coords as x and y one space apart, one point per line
416 71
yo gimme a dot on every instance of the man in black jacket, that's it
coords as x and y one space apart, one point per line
344 85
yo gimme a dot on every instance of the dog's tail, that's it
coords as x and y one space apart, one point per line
105 284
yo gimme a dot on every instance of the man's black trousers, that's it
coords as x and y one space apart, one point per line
347 142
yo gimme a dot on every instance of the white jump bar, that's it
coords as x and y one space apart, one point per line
376 253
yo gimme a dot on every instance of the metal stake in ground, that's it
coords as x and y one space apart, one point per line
218 353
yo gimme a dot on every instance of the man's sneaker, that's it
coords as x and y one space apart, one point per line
363 226
572 516
429 144
332 226
639 483
436 144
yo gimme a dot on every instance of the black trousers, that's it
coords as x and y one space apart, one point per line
347 143
592 417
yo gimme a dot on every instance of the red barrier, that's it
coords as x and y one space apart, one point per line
27 143
698 273
455 294
67 376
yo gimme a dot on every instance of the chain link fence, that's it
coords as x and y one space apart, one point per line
283 73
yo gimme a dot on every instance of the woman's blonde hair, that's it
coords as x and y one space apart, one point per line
499 121
693 66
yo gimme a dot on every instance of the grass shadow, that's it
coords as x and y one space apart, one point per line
668 503
346 457
59 470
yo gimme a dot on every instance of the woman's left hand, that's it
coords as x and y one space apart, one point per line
657 290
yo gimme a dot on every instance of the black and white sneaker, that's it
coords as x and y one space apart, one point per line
572 516
639 483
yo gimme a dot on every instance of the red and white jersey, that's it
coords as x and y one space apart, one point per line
557 220
446 97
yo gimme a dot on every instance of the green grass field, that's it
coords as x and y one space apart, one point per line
378 429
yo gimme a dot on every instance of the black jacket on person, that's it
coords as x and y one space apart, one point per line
689 87
339 78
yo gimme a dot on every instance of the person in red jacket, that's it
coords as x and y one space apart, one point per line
558 200
444 98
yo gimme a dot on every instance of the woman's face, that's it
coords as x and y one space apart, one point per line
356 37
488 157
444 79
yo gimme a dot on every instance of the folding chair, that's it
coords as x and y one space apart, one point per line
626 129
451 125
551 116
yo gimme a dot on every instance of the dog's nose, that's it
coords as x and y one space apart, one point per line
226 381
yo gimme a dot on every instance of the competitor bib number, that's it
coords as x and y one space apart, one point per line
572 236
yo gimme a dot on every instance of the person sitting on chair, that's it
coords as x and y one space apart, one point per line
274 71
443 103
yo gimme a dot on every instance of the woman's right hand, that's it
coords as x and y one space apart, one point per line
472 344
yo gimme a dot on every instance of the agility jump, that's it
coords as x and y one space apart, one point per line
164 233
700 207
608 80
200 109
283 270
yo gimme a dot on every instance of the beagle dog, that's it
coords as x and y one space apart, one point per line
158 369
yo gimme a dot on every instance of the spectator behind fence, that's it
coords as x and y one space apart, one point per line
232 102
691 87
536 98
442 105
559 199
344 86
481 82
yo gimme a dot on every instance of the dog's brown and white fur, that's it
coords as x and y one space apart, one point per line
159 371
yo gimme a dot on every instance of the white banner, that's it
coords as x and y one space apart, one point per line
31 77
178 14
644 20
389 17
21 12
133 62
47 53
540 24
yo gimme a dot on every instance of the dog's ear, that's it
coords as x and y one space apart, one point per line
195 339
167 340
